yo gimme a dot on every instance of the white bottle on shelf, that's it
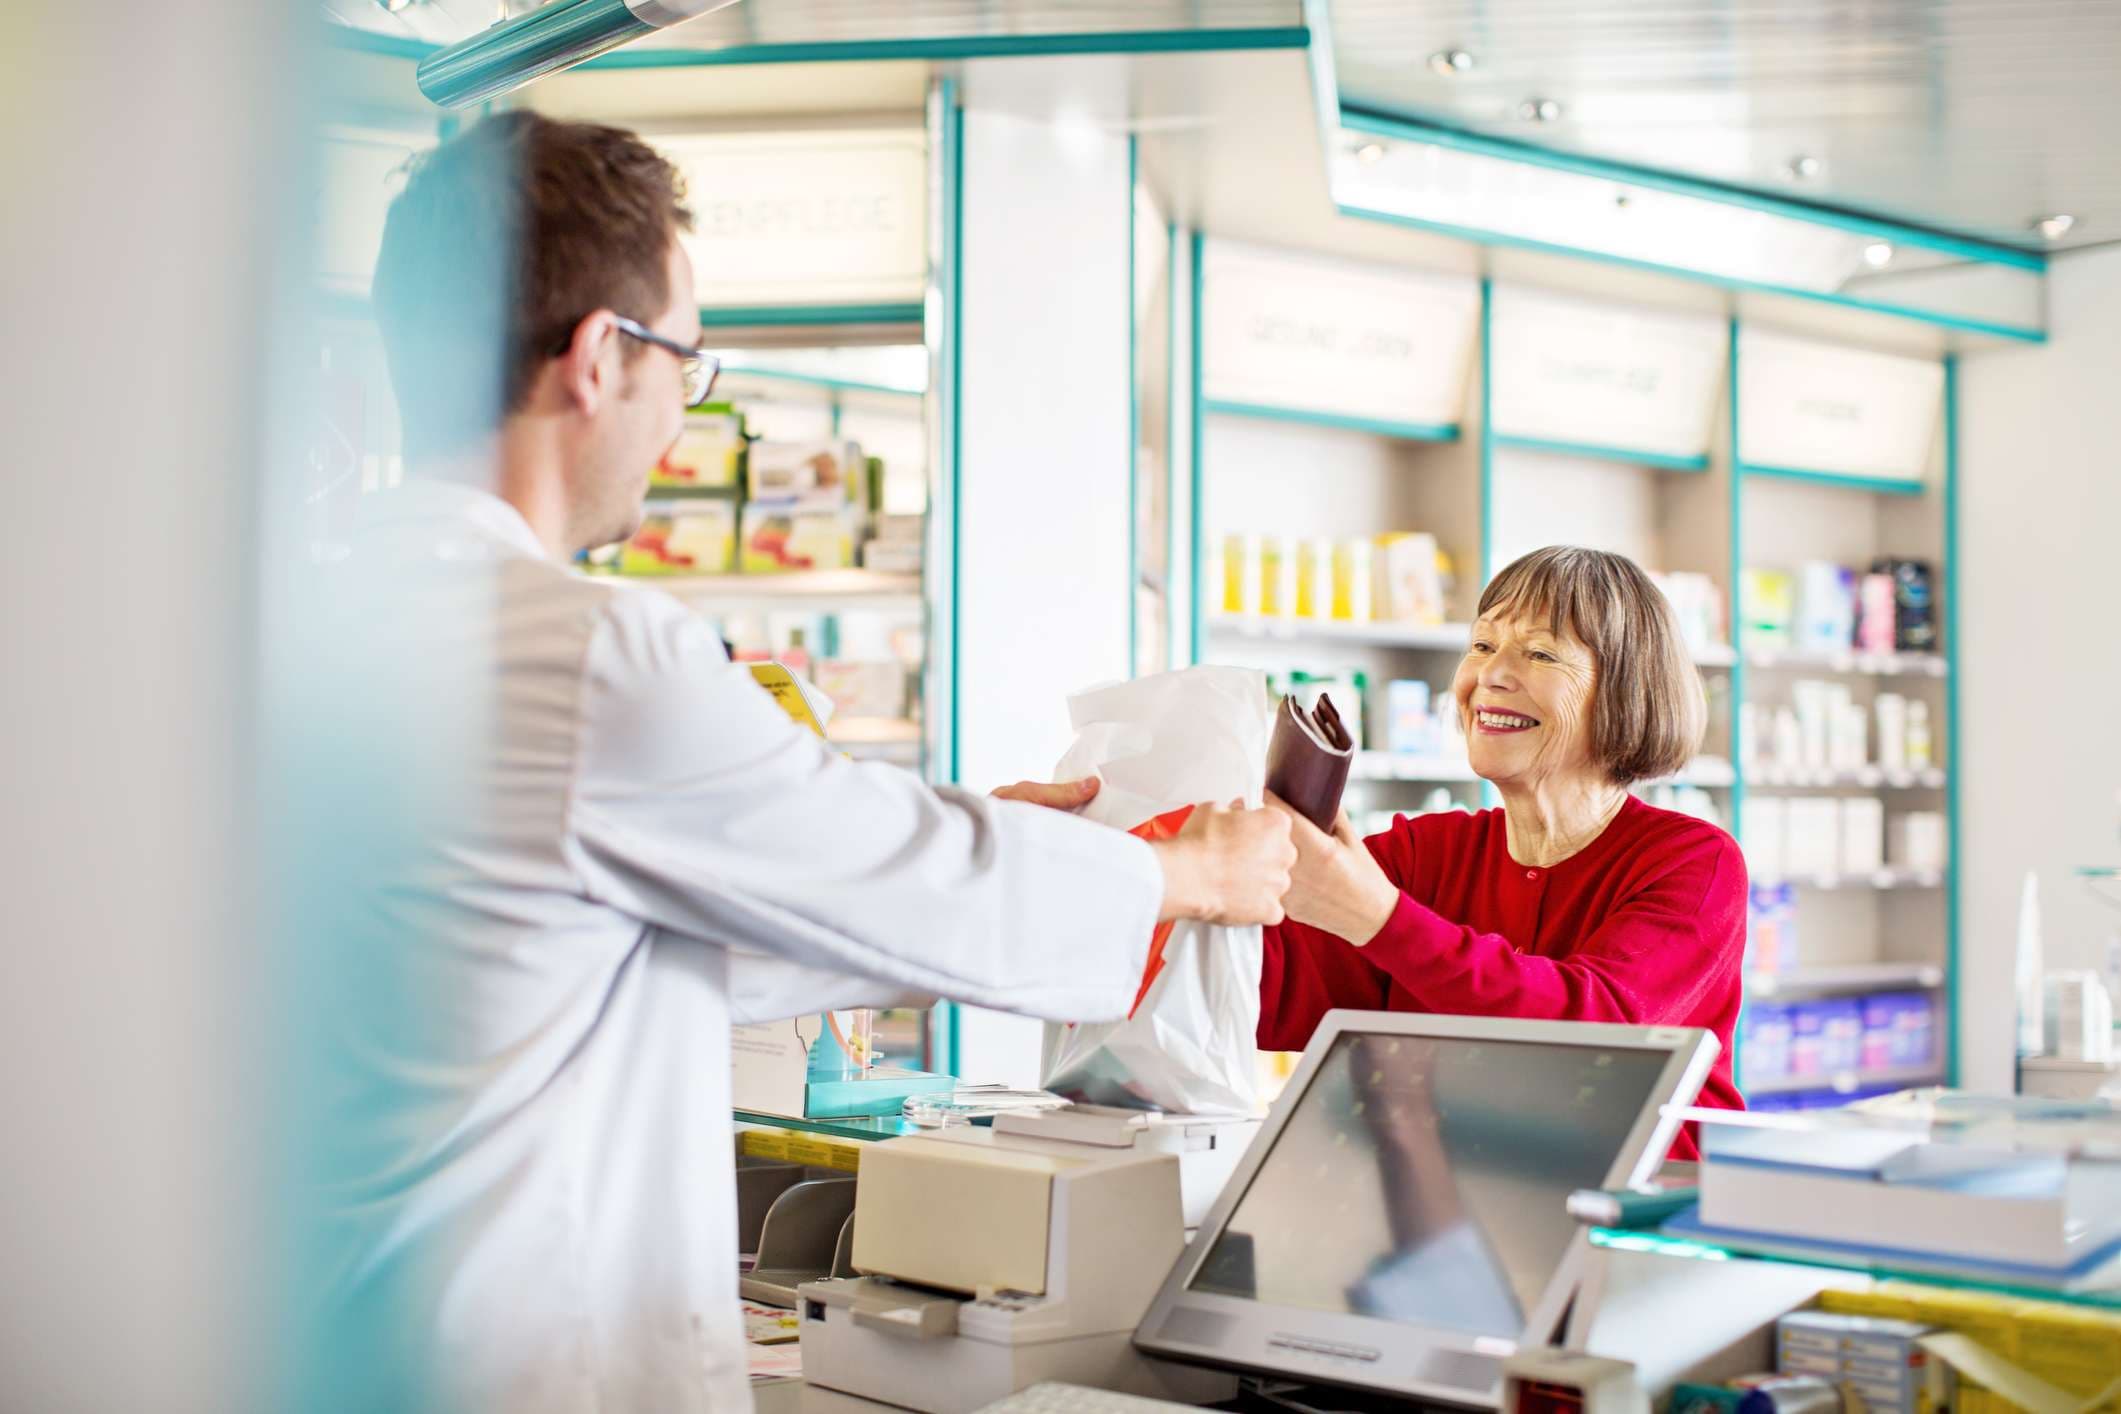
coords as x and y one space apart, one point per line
2031 985
1891 710
1921 752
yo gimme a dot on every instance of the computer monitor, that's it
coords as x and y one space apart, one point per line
1400 1224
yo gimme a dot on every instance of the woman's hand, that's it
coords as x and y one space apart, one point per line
1070 796
1337 885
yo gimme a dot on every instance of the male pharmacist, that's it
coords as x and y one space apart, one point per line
587 843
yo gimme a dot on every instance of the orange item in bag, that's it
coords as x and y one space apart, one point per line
1163 827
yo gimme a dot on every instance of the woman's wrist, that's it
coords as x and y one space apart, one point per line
1369 913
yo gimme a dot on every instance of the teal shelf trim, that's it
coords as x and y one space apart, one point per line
1487 431
865 1128
1170 443
1406 431
1480 236
1134 424
1378 123
1196 570
1661 461
809 316
812 380
1490 797
997 46
1949 574
947 1040
1738 668
1876 485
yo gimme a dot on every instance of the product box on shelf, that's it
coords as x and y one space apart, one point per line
783 536
1918 842
709 452
1899 1031
1697 605
1862 835
1826 608
1771 928
1354 583
1914 604
1409 579
818 473
862 688
1767 605
1410 726
682 537
1766 835
1812 838
1314 579
1826 1036
1766 1042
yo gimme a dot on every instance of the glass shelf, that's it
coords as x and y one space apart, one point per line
2107 1298
863 1127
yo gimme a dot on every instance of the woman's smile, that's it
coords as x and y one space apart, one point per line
1498 721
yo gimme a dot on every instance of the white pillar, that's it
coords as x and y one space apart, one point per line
1043 574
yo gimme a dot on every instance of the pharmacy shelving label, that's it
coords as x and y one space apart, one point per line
808 217
1356 341
1568 370
1834 411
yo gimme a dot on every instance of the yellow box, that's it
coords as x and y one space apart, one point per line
807 1149
2071 1348
1988 1319
765 1143
847 1158
1888 1305
1275 583
1239 552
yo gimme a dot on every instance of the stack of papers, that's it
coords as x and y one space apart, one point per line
1935 1182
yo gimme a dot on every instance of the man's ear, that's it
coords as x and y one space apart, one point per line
589 362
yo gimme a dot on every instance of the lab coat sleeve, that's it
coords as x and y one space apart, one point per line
700 807
763 988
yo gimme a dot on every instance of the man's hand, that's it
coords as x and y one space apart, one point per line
1070 796
1337 885
1229 865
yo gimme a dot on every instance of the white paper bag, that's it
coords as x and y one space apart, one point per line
1161 743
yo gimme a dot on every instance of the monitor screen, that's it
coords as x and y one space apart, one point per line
1424 1179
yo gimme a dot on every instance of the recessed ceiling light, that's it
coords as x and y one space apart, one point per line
1878 255
1369 152
2055 227
395 6
1450 62
1802 167
1539 110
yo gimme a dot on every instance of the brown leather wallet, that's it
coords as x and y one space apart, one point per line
1308 760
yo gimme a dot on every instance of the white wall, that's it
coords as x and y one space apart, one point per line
135 264
2040 583
1042 465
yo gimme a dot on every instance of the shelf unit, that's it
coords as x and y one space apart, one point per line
1497 491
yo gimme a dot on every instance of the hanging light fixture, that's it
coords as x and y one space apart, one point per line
555 36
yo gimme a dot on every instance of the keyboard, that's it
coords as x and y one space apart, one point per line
1053 1398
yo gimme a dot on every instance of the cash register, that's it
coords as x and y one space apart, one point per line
1399 1227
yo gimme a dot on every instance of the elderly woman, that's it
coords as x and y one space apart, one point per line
1574 901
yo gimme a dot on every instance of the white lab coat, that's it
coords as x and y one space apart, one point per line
571 843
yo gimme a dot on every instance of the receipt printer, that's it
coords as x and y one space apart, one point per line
992 1261
1208 1146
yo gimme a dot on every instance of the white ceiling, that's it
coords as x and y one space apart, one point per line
1971 115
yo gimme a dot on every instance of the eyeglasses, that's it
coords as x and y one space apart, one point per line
701 367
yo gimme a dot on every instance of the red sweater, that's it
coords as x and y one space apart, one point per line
1646 925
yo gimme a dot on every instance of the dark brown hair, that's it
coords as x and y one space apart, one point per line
505 237
1648 710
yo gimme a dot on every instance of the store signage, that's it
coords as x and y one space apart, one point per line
361 172
1569 370
805 218
1323 336
1819 407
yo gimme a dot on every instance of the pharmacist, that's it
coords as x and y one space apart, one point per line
1574 901
578 843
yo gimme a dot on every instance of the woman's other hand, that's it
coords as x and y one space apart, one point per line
1070 796
1337 885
